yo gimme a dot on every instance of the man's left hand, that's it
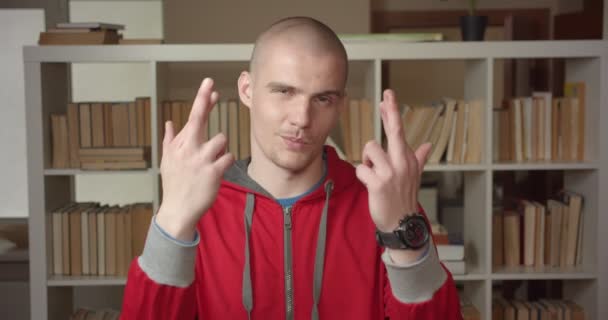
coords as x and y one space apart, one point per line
392 177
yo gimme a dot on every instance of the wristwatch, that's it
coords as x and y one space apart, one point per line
412 233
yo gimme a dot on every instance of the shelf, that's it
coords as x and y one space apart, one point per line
46 75
545 166
543 273
16 255
454 167
469 277
356 51
75 281
73 172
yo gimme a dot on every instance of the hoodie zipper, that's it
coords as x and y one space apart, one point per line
288 264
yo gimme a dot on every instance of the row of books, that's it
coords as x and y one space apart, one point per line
454 127
98 125
356 128
114 158
91 314
229 116
99 240
468 311
543 309
542 127
81 33
537 235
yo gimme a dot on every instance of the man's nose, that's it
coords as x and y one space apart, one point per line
301 113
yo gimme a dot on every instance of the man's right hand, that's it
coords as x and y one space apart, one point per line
191 168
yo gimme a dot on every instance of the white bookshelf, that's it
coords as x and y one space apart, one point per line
46 70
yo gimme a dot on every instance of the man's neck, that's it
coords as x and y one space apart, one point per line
282 183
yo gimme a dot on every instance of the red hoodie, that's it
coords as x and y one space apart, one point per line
271 273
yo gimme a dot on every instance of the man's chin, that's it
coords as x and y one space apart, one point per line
294 161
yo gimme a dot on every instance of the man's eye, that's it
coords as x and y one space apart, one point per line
324 99
281 90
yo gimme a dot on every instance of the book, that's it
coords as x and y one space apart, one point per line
367 121
355 129
59 141
475 130
79 38
511 223
85 125
497 239
450 252
396 37
529 225
244 134
101 240
455 267
574 203
115 165
73 134
539 233
141 41
114 154
233 128
577 91
97 125
89 25
446 129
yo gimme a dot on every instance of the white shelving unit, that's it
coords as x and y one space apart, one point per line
46 70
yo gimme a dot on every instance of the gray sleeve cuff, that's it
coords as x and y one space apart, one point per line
166 260
416 282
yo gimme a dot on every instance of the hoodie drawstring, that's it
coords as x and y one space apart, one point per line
319 256
247 294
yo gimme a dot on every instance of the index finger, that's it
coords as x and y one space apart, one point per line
393 128
201 107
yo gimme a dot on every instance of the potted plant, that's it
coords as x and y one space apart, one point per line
473 26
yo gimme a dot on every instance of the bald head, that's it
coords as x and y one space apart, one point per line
303 33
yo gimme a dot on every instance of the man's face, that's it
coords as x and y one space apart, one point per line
296 96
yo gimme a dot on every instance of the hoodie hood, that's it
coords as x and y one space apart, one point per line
339 171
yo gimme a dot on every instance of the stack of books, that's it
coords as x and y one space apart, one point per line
467 308
538 235
450 252
541 309
85 314
114 158
228 116
356 128
90 239
81 33
542 127
454 127
104 133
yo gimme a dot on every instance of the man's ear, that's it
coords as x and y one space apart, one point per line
244 86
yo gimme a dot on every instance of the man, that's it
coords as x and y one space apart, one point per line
291 232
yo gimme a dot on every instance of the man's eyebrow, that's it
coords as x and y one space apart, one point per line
278 85
330 92
281 85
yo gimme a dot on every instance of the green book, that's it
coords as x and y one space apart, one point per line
396 37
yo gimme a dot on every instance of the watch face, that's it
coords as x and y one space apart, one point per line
415 233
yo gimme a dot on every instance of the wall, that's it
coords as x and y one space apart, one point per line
557 6
54 10
605 19
193 21
18 27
